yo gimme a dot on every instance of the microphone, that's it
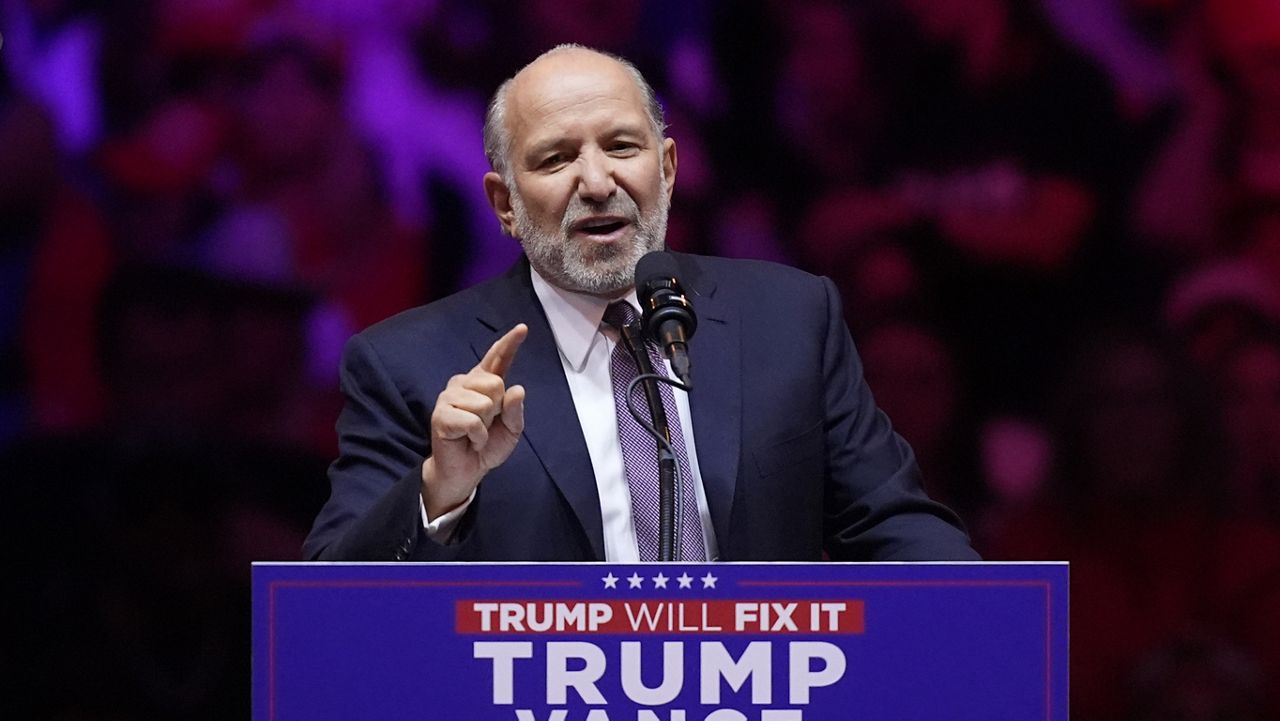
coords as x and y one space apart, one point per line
666 313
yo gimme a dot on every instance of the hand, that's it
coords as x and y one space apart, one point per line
474 427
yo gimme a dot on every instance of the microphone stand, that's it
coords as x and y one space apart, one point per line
670 513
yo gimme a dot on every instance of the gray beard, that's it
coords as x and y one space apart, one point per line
586 267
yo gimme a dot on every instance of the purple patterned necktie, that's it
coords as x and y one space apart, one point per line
639 454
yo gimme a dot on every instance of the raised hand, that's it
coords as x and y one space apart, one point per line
474 427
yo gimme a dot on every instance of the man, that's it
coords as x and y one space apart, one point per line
520 457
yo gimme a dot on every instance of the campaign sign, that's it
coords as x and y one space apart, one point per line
660 642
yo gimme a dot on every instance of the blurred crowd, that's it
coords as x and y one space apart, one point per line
1055 225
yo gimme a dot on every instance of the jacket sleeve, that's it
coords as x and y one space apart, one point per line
875 508
373 512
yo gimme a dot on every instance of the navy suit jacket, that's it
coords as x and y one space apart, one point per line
795 456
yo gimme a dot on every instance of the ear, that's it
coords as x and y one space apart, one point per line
500 200
669 164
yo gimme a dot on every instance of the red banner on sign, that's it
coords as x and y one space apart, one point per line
807 617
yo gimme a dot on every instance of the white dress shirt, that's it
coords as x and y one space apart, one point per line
586 344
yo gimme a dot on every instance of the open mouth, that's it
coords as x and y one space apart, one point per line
600 227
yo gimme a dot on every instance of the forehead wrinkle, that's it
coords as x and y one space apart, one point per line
559 119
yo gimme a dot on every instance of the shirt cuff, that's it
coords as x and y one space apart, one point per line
441 529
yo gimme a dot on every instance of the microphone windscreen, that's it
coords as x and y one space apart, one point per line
656 264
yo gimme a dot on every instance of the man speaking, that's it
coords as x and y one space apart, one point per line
491 425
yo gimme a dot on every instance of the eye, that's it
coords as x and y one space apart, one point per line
623 148
551 161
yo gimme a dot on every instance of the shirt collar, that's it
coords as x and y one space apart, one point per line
575 318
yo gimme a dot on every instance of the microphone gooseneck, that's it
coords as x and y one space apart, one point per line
669 516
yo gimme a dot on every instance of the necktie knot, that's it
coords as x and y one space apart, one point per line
620 314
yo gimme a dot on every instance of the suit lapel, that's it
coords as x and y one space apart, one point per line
551 420
715 354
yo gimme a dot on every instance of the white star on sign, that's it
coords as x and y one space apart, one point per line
659 581
610 581
635 580
685 580
708 581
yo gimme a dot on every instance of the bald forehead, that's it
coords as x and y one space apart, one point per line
530 98
572 73
569 58
570 94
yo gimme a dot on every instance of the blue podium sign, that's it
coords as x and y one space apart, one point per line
660 642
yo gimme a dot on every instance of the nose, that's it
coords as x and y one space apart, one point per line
596 182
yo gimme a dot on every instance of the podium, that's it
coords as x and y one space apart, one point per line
660 642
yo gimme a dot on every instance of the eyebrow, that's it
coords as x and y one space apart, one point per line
544 147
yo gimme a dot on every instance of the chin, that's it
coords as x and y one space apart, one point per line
605 283
616 265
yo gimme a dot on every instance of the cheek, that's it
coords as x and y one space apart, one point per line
545 202
643 181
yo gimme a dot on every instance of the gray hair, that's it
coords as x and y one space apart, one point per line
497 138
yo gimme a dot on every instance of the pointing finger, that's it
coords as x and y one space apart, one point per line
503 352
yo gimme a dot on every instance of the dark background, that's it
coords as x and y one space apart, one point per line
1055 223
